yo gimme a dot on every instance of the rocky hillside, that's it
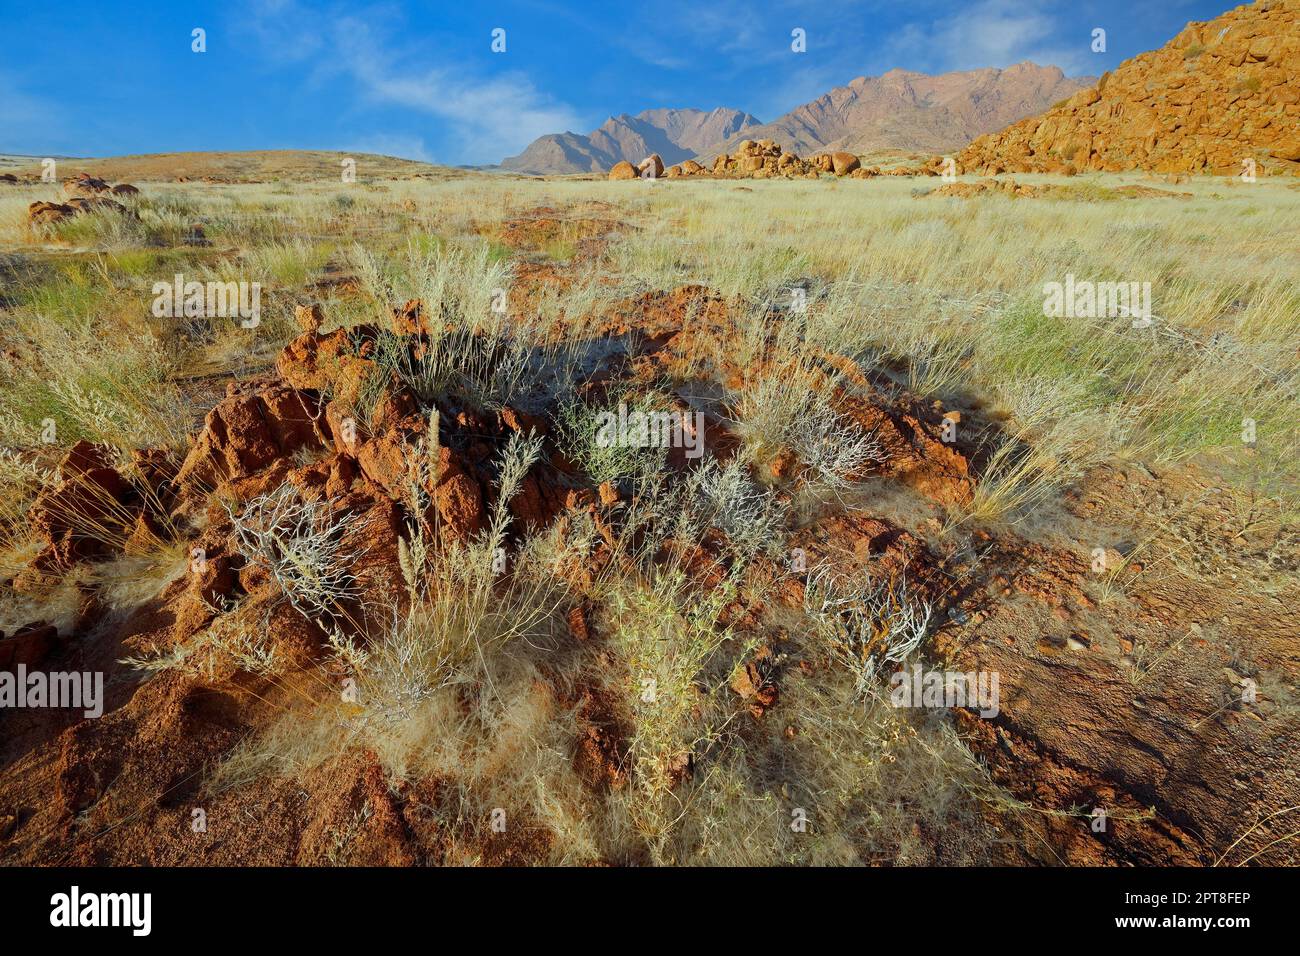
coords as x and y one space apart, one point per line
1216 95
675 135
914 111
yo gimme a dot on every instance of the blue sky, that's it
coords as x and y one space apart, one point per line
97 77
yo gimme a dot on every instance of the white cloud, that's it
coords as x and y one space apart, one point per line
993 33
487 117
491 117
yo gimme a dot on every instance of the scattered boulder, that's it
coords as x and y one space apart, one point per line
753 683
94 510
457 498
85 186
652 167
844 163
335 361
145 536
762 160
80 205
47 213
85 197
1009 187
409 319
986 187
623 170
74 517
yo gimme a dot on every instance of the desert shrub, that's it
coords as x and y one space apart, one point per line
589 440
831 447
465 634
461 286
666 633
727 498
457 614
473 345
786 412
301 543
867 623
483 368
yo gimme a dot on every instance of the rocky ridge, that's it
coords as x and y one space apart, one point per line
1220 97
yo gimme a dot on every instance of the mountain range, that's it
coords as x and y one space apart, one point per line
900 109
676 135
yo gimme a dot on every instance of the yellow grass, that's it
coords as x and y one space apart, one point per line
941 297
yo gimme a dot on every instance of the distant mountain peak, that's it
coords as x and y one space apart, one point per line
900 109
675 134
906 109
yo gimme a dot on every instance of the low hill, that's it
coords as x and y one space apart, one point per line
254 166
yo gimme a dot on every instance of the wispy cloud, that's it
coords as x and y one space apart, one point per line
993 33
487 117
